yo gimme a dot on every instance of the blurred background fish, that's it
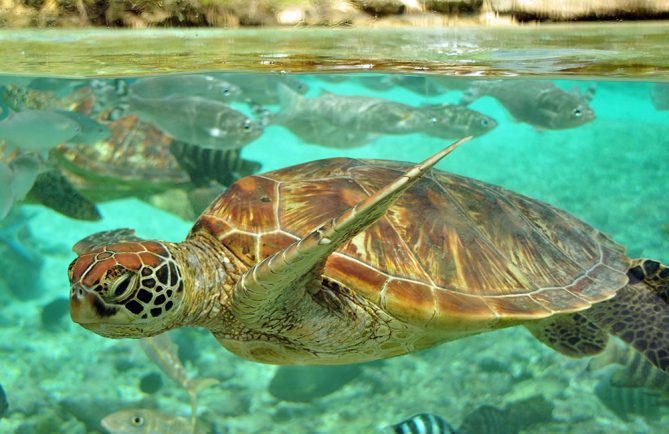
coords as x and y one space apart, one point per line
353 113
450 121
164 353
486 419
659 95
634 370
197 121
90 131
539 103
627 401
202 85
422 423
16 179
262 89
18 130
145 421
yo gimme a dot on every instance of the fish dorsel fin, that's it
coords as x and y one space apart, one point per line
282 278
103 238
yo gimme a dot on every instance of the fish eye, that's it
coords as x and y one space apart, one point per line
484 122
577 112
121 287
433 120
137 420
247 125
226 91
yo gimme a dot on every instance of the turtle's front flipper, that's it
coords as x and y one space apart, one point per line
52 189
639 313
278 283
572 334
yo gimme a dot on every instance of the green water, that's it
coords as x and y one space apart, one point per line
610 172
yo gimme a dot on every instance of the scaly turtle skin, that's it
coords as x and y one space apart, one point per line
342 260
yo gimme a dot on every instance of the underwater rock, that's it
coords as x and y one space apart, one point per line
54 311
151 383
306 383
4 405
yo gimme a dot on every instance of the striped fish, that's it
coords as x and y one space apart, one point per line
422 423
204 164
624 401
636 370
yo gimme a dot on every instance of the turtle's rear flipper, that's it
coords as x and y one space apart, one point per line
54 191
573 334
639 313
204 164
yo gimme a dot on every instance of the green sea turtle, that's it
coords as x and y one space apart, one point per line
138 160
345 260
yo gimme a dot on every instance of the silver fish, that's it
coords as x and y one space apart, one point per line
197 121
144 421
37 130
624 401
202 85
262 88
356 114
659 95
449 121
537 102
26 168
636 370
91 131
16 180
317 131
422 423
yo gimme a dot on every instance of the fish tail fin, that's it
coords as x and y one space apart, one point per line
290 102
197 385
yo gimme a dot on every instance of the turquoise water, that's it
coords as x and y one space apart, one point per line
610 172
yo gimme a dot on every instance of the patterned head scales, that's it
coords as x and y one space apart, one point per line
125 289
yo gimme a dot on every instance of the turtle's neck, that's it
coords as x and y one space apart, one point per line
210 272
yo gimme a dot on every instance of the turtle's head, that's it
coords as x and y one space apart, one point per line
126 290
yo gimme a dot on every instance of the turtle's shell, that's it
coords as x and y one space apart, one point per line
450 252
136 157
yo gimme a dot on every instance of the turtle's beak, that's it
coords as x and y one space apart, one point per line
87 307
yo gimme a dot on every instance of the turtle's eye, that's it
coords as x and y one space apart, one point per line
121 287
137 421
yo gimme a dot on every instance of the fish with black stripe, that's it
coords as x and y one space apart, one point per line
422 423
485 419
636 371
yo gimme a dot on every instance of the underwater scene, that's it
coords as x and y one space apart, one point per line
496 278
